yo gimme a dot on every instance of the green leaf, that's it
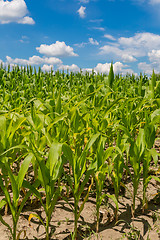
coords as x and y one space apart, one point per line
3 202
156 178
33 188
6 224
54 155
7 196
13 184
67 152
23 170
16 126
154 155
114 200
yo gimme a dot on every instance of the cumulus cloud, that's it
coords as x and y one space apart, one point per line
153 2
148 67
81 12
26 20
123 54
118 67
58 49
14 11
89 70
154 56
47 68
145 40
110 37
93 42
73 68
128 49
34 60
145 67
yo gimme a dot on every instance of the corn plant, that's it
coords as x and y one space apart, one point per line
81 175
110 78
115 169
57 118
136 151
15 204
149 138
49 177
100 170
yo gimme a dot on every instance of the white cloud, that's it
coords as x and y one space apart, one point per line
128 49
14 11
80 45
93 42
96 20
153 2
148 67
99 28
58 49
26 20
47 68
52 60
145 67
110 37
154 56
145 40
84 1
73 68
118 67
128 58
34 60
90 41
24 39
81 12
89 70
122 54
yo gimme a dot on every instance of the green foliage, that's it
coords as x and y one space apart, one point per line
75 131
111 76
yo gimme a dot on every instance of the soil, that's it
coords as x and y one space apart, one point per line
143 226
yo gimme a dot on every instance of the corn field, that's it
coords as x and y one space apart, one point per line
69 135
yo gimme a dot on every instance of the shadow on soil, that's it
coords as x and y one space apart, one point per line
124 223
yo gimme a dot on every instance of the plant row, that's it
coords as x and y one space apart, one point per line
73 133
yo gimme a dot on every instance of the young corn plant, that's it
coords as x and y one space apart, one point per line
15 203
49 175
137 149
149 138
110 78
115 169
10 138
81 172
100 170
136 153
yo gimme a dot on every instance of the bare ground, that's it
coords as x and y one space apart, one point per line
144 226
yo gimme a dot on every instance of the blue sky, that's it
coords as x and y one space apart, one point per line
86 34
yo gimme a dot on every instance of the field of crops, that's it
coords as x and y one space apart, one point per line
74 136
